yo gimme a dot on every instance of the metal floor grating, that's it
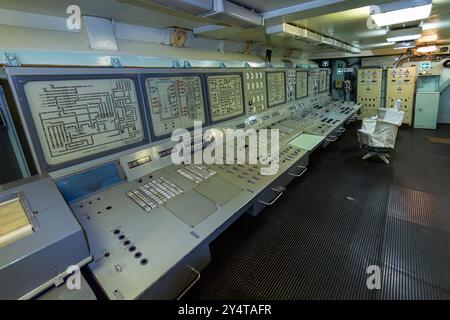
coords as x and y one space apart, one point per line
343 216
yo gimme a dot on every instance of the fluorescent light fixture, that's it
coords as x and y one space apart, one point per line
401 35
429 38
404 45
402 11
427 49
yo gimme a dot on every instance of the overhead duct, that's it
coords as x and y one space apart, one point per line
347 48
221 10
327 42
233 14
290 31
194 7
286 30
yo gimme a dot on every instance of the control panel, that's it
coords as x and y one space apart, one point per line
301 86
75 119
291 80
323 81
225 97
369 91
145 217
401 84
154 193
276 87
37 231
174 102
313 82
255 91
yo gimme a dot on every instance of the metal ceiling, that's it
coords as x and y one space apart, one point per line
345 21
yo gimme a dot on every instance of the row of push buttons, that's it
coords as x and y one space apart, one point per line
155 193
196 172
254 75
247 172
255 85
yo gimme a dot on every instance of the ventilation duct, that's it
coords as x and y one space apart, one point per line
233 14
194 7
290 31
220 10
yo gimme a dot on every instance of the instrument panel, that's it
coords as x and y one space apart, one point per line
255 91
276 87
73 120
291 81
400 85
174 102
146 218
369 91
225 97
323 77
301 86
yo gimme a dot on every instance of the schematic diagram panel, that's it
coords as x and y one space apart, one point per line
225 97
301 89
78 118
276 88
369 91
313 82
401 85
175 102
255 91
323 83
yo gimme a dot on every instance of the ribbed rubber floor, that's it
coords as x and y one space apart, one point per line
343 216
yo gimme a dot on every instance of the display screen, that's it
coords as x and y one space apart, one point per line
276 88
175 102
225 97
79 118
301 89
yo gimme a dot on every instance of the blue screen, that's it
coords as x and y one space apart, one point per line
84 183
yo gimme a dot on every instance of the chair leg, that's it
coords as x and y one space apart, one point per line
384 158
368 155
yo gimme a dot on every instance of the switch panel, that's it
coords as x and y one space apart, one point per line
291 82
255 91
401 84
369 91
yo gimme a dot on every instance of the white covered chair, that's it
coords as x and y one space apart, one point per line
378 134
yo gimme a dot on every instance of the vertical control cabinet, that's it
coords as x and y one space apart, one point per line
400 84
427 102
369 91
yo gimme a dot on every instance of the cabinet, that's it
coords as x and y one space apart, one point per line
427 102
426 110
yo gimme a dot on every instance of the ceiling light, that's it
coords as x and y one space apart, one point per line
427 49
400 12
404 34
404 45
429 38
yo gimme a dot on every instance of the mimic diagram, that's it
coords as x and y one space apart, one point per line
225 96
276 88
302 84
76 118
175 102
